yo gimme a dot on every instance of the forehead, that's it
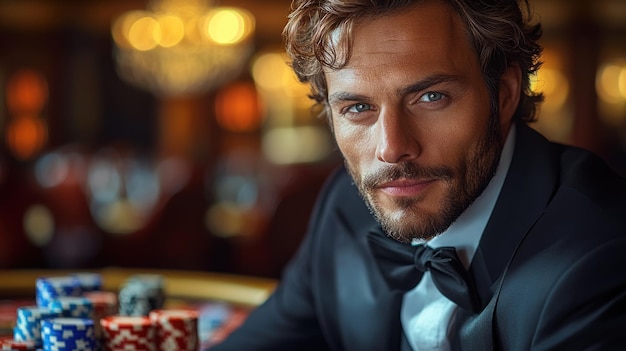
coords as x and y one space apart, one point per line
428 37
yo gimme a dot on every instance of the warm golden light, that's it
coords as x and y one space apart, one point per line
554 86
119 217
266 68
621 83
121 27
290 136
179 47
225 220
271 72
227 26
611 83
172 30
144 34
554 119
611 89
289 145
39 225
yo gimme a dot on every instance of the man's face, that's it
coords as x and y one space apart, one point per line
411 116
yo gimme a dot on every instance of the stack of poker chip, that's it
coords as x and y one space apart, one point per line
128 333
64 296
49 288
60 334
176 330
104 305
89 281
72 313
72 306
28 324
8 344
141 294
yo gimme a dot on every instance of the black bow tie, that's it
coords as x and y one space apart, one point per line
403 265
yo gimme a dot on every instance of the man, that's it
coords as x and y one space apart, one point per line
429 101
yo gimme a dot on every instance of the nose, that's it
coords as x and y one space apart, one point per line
397 140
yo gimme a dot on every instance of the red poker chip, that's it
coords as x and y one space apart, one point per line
178 320
176 329
8 343
128 333
104 302
126 322
173 314
130 345
103 297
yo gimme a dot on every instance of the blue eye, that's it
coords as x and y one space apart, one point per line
431 96
360 107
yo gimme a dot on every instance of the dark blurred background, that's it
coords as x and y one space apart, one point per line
171 133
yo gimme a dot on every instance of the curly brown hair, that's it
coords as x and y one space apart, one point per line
500 31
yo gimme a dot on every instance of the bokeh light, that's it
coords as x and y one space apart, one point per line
172 30
611 82
26 135
38 225
296 144
51 170
179 47
238 108
611 89
226 26
554 85
26 92
26 96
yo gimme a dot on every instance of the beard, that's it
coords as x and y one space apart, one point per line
465 182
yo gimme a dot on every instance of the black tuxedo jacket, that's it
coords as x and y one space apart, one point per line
550 267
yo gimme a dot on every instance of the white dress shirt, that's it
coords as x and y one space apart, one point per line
426 314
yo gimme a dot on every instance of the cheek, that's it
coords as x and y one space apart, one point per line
470 126
450 146
352 141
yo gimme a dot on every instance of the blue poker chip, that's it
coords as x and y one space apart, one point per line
28 323
34 314
21 333
72 306
68 334
48 288
89 281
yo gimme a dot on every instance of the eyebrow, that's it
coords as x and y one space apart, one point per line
345 96
427 82
418 86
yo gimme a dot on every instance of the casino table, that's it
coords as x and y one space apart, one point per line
236 295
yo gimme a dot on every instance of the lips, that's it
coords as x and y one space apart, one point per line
406 187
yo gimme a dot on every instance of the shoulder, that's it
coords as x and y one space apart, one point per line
590 192
576 233
590 175
579 181
588 205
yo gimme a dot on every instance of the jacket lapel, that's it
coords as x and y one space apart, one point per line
363 312
527 190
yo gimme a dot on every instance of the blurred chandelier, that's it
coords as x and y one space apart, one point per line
179 47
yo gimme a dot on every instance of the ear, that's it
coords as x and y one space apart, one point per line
509 97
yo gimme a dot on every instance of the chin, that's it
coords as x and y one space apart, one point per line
405 225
